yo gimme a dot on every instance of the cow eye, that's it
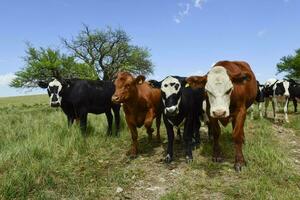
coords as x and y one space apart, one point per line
165 85
228 91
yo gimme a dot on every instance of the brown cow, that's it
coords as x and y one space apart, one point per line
141 104
230 89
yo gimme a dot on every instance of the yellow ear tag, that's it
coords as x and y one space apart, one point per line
187 85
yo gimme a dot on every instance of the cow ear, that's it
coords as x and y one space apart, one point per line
154 83
196 81
140 79
241 77
43 84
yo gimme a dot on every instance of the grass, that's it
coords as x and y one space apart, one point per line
41 158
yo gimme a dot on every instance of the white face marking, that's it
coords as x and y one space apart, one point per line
286 86
55 83
219 88
169 86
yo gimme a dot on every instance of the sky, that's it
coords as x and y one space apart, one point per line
185 37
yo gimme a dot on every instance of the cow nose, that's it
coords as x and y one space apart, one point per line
171 110
219 113
115 98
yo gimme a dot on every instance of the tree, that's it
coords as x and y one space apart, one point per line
291 65
108 51
41 63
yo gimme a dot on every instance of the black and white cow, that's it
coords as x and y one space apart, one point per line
181 104
78 97
273 90
258 100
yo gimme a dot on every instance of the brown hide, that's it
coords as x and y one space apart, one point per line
141 104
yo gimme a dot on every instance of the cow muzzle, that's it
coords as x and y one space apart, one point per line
219 113
55 104
115 99
171 111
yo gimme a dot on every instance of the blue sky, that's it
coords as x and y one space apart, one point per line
185 36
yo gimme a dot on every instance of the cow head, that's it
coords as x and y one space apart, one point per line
281 88
219 88
125 87
171 94
260 92
54 89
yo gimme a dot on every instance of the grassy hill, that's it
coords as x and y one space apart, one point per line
40 158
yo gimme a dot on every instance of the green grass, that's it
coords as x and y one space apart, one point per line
41 158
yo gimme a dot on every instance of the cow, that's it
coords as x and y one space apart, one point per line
258 100
141 105
78 97
294 91
231 88
181 105
275 89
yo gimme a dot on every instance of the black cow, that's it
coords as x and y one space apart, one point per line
78 97
294 90
181 104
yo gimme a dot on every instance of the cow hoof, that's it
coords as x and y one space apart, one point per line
132 154
188 159
168 159
238 167
217 159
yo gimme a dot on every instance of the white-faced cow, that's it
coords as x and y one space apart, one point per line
181 105
275 89
78 97
231 88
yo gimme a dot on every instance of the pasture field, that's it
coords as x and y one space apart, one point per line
40 158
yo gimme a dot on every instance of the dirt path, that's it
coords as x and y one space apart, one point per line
158 179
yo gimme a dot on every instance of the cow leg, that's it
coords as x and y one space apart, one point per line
275 108
148 123
187 137
83 123
178 133
109 118
266 106
158 122
260 109
134 135
238 138
70 120
196 132
295 104
170 133
285 109
215 130
116 111
251 110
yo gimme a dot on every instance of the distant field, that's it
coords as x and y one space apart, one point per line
26 100
40 158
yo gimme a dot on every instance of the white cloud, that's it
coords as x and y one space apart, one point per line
261 33
5 79
199 3
184 11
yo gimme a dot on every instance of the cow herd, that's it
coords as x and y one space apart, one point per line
222 96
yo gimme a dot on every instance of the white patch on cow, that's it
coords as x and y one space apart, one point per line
168 86
270 82
286 86
55 83
219 88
